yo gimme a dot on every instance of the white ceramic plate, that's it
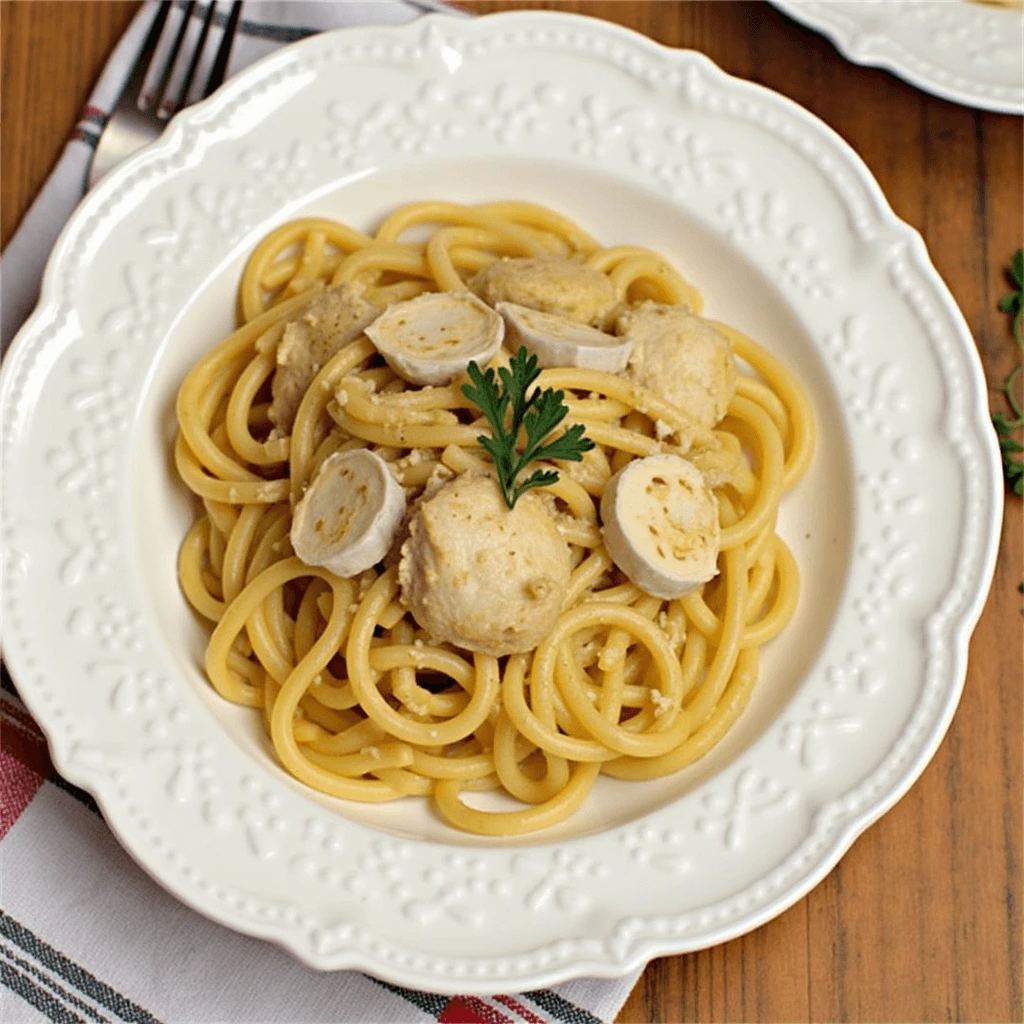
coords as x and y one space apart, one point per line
780 225
967 52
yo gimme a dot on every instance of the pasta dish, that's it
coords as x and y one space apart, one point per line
485 505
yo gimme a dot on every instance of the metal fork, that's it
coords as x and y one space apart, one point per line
184 58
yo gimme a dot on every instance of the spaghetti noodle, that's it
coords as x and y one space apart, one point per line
359 701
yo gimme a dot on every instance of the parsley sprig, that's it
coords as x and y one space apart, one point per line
1014 302
509 409
1013 467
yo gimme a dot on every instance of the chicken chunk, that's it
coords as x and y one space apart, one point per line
559 286
482 576
681 358
338 317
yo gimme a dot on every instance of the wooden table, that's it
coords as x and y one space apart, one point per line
921 920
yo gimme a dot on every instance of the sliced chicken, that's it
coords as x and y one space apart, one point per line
330 323
481 576
559 286
681 358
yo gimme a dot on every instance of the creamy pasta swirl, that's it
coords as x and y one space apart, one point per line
359 700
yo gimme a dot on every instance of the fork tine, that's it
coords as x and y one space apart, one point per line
220 65
133 88
166 50
150 95
197 25
215 39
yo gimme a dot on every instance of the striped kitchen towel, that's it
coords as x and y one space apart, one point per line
85 934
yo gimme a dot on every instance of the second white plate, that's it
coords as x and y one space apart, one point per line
963 51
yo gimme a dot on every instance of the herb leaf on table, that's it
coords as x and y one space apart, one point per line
1009 446
1014 302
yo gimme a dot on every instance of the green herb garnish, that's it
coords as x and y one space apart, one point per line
1013 467
1009 446
537 415
1014 302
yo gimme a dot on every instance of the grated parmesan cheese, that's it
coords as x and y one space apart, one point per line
660 701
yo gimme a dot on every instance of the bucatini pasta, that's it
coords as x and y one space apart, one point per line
590 642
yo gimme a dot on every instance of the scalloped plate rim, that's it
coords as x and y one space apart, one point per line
845 42
640 951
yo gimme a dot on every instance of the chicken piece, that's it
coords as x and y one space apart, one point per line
329 323
552 285
681 358
482 576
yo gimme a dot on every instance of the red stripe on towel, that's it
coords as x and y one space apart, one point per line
458 1012
517 1007
20 715
487 1013
18 784
24 745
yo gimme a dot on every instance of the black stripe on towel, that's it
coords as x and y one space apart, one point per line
35 996
561 1009
256 29
61 993
428 1002
86 983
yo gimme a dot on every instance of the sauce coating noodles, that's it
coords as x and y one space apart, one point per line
358 701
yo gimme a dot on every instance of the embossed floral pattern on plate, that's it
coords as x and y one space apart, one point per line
212 817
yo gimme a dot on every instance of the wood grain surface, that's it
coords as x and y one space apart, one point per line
921 920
